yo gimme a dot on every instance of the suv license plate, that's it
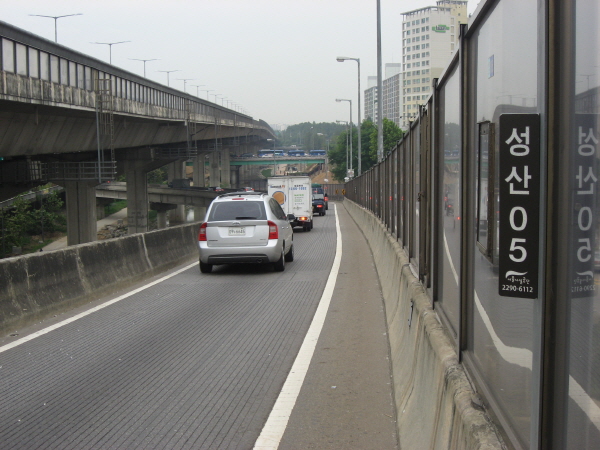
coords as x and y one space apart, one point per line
237 231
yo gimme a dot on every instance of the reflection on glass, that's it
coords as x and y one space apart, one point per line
482 185
21 59
54 68
583 416
64 71
502 330
451 143
34 70
8 55
44 66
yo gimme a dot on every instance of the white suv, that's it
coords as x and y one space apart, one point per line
245 227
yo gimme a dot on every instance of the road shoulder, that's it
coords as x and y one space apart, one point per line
346 400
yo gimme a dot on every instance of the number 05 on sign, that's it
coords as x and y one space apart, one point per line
519 176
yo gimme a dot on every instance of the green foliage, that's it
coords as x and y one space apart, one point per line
114 207
157 176
391 135
47 217
23 220
17 222
337 155
310 136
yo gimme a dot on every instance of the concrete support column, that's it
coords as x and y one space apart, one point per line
161 210
199 213
81 211
176 170
234 175
199 176
101 203
214 172
137 197
225 168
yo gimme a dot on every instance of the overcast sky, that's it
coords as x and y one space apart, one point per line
275 58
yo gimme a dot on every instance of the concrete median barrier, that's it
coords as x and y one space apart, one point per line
39 285
436 404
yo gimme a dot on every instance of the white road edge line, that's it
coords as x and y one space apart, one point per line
272 432
90 311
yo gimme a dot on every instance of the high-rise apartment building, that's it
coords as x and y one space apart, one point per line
392 94
429 38
370 103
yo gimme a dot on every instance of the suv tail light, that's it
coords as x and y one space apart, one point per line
273 230
202 233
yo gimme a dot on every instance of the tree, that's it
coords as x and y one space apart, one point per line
391 135
19 222
47 217
309 136
157 176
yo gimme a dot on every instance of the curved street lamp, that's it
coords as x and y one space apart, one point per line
350 101
168 72
185 80
110 44
342 59
144 61
345 122
197 86
55 20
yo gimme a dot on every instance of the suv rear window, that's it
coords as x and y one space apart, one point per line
237 210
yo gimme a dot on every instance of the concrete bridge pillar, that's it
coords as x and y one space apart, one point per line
199 180
199 213
199 175
137 196
176 170
213 169
136 165
234 176
225 168
101 203
81 211
161 210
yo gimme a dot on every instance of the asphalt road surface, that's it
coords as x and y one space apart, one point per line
193 361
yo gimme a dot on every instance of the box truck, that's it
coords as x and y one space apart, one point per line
294 194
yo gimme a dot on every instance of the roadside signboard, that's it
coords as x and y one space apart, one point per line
519 180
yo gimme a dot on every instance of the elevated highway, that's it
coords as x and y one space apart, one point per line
71 119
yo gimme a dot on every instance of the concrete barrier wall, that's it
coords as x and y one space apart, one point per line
39 285
436 404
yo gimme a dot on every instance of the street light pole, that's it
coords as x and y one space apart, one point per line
379 88
350 101
197 86
55 22
342 59
110 44
168 72
345 123
185 80
144 61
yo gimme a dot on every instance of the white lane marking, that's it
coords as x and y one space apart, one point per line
276 424
522 357
88 312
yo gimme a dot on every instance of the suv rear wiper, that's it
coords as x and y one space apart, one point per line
246 218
